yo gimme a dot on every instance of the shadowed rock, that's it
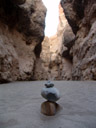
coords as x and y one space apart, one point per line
81 15
21 31
18 2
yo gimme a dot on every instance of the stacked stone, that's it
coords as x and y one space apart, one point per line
51 94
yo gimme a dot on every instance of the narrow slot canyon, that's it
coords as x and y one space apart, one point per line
55 61
47 63
27 53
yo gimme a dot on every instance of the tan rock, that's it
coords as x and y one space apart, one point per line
49 108
21 31
82 19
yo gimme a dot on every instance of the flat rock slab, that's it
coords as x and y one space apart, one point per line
20 104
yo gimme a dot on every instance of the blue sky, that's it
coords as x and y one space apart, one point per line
52 17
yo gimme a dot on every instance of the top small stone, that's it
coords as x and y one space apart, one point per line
49 84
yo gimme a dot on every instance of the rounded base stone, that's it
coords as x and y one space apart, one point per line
49 108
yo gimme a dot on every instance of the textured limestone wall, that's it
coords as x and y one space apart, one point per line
73 48
22 26
55 61
23 55
81 15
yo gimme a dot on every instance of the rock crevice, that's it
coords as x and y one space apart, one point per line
22 26
82 14
68 55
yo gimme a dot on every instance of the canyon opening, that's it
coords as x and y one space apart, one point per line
52 17
65 51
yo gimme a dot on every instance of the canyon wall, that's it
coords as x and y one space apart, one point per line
72 49
81 15
55 62
68 55
22 24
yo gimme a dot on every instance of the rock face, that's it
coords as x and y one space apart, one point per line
81 15
66 37
72 51
18 2
41 69
55 60
21 33
68 55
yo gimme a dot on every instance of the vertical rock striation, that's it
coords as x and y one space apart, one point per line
22 24
81 15
68 55
55 61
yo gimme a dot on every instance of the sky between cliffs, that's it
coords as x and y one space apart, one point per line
52 17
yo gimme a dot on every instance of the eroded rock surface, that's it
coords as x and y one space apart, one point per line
68 55
55 60
21 31
81 15
72 51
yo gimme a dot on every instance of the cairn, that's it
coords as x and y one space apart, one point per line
51 94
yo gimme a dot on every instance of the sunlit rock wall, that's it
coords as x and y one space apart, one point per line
22 25
68 55
81 15
55 62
